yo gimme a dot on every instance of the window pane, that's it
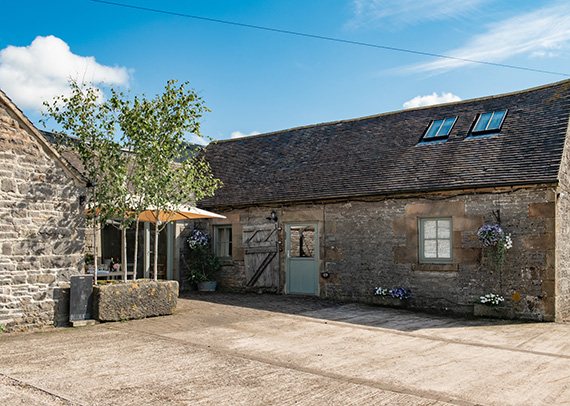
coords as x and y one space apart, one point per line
444 249
482 123
446 127
436 240
223 241
430 229
443 229
495 123
430 248
302 242
434 128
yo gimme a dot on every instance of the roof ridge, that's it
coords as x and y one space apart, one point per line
388 113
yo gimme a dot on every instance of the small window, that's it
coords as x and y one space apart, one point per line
489 122
439 129
302 242
223 241
436 236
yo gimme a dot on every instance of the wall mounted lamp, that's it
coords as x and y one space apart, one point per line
272 216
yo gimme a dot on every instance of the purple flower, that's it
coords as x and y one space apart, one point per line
198 237
490 236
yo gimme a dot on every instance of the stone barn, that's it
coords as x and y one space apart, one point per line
42 225
396 200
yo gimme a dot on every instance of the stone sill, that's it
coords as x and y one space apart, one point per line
435 267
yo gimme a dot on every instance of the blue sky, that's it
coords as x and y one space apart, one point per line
258 81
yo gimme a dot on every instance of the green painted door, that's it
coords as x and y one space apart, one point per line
302 247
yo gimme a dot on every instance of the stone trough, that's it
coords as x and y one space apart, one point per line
134 300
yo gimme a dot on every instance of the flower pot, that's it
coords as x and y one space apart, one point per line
208 286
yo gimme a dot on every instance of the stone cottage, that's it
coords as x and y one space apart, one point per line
41 224
396 200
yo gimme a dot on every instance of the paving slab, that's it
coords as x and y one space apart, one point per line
232 349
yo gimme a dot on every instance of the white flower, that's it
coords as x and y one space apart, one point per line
491 298
508 241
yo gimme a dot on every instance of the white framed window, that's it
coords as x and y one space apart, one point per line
223 241
436 240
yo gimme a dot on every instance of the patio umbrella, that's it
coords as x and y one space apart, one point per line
170 214
152 215
182 213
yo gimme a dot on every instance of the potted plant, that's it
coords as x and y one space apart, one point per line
492 305
204 264
395 297
496 241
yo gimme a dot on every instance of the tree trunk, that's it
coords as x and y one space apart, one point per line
156 249
95 254
135 262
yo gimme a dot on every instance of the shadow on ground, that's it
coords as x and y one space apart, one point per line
354 313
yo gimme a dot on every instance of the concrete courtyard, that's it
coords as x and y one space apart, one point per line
230 349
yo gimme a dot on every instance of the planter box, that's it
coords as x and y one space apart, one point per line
495 312
389 301
209 286
134 300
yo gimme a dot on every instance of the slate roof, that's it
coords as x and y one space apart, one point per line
73 158
380 155
68 154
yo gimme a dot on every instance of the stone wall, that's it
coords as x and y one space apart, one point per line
41 227
364 244
563 237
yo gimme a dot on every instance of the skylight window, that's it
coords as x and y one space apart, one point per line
489 122
439 129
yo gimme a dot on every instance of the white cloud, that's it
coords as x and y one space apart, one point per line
408 12
194 139
535 34
29 75
431 99
238 134
544 54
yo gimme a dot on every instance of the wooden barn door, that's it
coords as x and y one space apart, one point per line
261 250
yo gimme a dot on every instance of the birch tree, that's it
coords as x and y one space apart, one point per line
136 154
172 176
93 125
